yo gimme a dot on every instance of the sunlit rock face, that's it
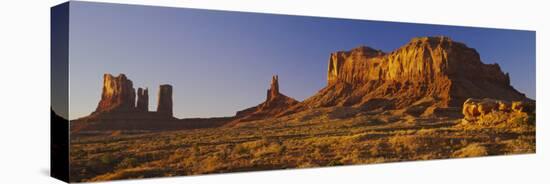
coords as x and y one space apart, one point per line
119 101
121 109
118 94
436 68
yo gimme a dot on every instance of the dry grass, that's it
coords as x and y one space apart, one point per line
298 141
472 150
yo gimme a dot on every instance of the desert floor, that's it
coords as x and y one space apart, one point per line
313 138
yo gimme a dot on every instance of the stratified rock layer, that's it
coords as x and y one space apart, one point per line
436 69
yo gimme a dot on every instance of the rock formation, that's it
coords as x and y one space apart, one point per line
475 108
118 110
118 94
273 91
274 104
490 112
436 69
142 104
165 100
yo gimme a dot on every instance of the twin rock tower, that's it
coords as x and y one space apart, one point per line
119 97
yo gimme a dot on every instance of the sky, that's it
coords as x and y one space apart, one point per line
220 62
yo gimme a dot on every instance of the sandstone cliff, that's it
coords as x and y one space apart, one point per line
434 69
274 104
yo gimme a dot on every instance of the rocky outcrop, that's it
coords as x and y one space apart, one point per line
274 104
437 68
142 104
118 102
484 113
165 100
273 91
118 110
474 109
118 94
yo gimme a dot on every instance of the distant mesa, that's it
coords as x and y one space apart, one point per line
434 69
274 104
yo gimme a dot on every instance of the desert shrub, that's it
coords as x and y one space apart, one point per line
321 149
116 133
129 173
377 147
521 120
223 151
106 159
403 143
426 132
273 148
211 163
472 150
334 163
78 153
241 149
127 162
252 145
353 157
196 150
355 138
307 164
523 144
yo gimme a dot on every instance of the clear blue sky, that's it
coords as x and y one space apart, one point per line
220 62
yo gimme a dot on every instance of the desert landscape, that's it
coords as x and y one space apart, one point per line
432 98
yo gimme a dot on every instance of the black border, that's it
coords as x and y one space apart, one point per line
59 123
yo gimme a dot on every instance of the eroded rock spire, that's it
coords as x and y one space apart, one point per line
165 100
273 90
142 100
